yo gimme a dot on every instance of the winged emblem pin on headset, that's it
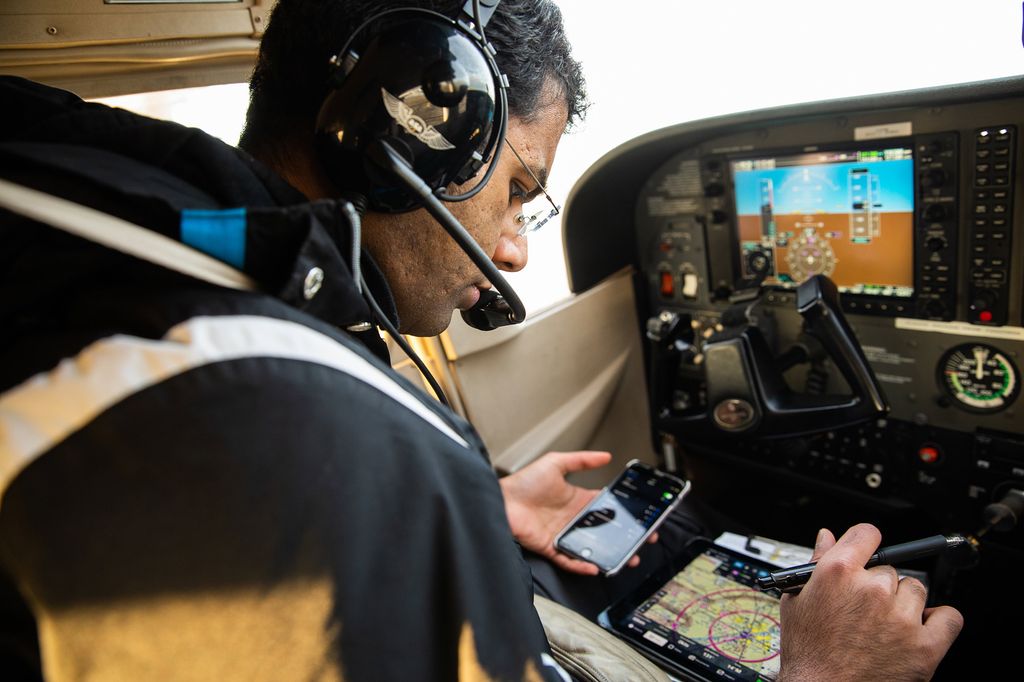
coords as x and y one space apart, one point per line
406 117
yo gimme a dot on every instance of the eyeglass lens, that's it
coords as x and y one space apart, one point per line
539 210
535 215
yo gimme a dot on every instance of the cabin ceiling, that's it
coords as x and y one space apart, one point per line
101 48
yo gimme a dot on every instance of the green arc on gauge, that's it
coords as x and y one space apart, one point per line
955 379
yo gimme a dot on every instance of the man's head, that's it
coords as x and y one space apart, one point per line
428 273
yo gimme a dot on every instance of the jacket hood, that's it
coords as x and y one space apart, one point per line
177 181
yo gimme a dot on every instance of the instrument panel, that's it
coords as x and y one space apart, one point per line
916 229
908 203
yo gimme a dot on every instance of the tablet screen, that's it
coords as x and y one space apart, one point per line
709 618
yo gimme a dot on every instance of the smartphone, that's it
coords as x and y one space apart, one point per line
619 520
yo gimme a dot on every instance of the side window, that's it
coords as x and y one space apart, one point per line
217 109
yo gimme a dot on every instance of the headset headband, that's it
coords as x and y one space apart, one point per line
426 84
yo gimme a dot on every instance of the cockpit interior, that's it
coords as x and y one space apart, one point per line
813 312
829 302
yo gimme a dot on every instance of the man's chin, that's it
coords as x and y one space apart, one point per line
426 327
430 318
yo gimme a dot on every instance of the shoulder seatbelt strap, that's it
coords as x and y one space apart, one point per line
120 235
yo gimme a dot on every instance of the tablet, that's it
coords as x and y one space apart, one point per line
703 617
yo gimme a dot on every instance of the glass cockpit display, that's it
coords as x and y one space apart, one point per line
846 214
706 617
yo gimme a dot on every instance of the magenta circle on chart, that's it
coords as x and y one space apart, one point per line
714 642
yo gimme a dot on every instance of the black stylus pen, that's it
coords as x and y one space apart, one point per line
790 579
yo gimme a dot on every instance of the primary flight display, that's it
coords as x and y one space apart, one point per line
845 214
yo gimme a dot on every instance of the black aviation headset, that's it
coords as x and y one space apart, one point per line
417 104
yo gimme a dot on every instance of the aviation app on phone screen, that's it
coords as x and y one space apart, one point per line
619 517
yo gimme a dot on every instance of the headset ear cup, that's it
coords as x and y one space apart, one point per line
445 83
425 85
377 169
470 170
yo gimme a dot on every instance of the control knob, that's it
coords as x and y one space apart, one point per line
936 244
714 189
984 299
982 304
933 178
935 212
935 309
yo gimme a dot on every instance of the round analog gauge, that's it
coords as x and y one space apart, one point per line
810 254
979 377
759 261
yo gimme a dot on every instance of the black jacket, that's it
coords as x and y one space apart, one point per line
202 483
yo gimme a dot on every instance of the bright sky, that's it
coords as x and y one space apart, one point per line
654 63
662 62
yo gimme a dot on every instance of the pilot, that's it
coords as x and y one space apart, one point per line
205 483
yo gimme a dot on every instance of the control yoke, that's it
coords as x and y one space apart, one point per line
746 392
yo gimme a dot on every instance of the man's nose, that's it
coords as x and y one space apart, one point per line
511 253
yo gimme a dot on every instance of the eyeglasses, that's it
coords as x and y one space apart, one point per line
535 213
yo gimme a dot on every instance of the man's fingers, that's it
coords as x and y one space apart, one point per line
581 460
584 496
856 545
653 538
574 565
824 542
634 561
943 623
911 596
886 576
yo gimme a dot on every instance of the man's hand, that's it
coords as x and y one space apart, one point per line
539 502
852 623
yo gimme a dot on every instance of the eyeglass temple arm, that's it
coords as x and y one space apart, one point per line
533 175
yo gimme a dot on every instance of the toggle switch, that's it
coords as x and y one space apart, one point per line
668 286
690 285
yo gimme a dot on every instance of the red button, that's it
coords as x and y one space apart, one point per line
928 454
667 285
985 316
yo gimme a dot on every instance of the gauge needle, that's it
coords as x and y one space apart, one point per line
980 356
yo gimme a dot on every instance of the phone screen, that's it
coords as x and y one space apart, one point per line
613 526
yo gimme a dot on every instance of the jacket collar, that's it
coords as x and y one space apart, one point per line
182 183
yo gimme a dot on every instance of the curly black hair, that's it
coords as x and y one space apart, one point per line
290 80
